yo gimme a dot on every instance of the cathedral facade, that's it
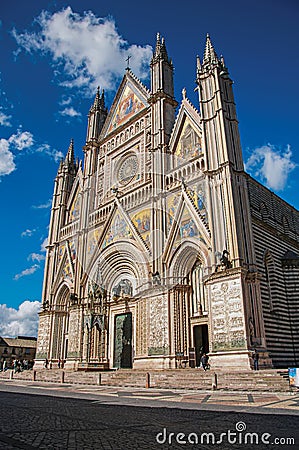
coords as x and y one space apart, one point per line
161 247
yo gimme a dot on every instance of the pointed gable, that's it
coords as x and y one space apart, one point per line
185 142
119 229
65 271
131 98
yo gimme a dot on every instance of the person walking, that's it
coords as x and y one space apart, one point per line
205 361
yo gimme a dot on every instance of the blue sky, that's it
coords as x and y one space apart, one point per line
55 53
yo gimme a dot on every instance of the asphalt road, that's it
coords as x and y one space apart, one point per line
61 421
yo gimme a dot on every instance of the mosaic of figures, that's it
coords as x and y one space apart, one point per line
75 208
128 105
189 145
142 221
171 208
187 228
60 253
67 270
93 239
119 229
72 248
197 192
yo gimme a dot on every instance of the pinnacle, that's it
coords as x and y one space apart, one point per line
160 51
99 101
70 156
210 55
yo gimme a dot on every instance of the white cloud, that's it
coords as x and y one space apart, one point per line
272 165
21 140
43 205
22 321
7 164
27 272
70 111
5 119
28 232
44 245
51 152
65 101
86 50
36 257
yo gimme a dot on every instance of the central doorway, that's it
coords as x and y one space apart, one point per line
123 341
201 342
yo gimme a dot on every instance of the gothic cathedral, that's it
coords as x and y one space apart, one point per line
161 247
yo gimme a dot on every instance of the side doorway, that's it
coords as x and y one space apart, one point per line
201 341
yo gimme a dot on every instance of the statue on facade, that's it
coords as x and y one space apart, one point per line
156 277
225 263
46 305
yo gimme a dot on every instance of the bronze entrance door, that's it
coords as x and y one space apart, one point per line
123 341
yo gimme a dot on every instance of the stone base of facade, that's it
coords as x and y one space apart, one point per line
238 360
39 364
89 367
154 362
230 360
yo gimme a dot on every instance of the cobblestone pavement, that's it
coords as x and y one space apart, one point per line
133 418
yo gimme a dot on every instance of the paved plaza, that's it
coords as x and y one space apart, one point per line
55 416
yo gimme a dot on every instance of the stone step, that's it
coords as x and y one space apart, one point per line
178 378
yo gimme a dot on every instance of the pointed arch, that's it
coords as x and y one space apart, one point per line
185 257
121 260
60 322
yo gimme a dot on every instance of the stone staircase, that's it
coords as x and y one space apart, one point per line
266 380
197 379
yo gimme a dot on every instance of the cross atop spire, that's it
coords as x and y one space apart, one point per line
128 62
210 56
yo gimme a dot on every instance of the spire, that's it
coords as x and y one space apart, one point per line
210 56
97 116
70 156
97 100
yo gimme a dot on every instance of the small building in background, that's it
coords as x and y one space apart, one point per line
21 348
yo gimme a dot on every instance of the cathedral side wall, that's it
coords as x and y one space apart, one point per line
275 230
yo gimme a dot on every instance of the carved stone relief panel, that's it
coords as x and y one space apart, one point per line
74 333
142 328
43 336
228 328
158 337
